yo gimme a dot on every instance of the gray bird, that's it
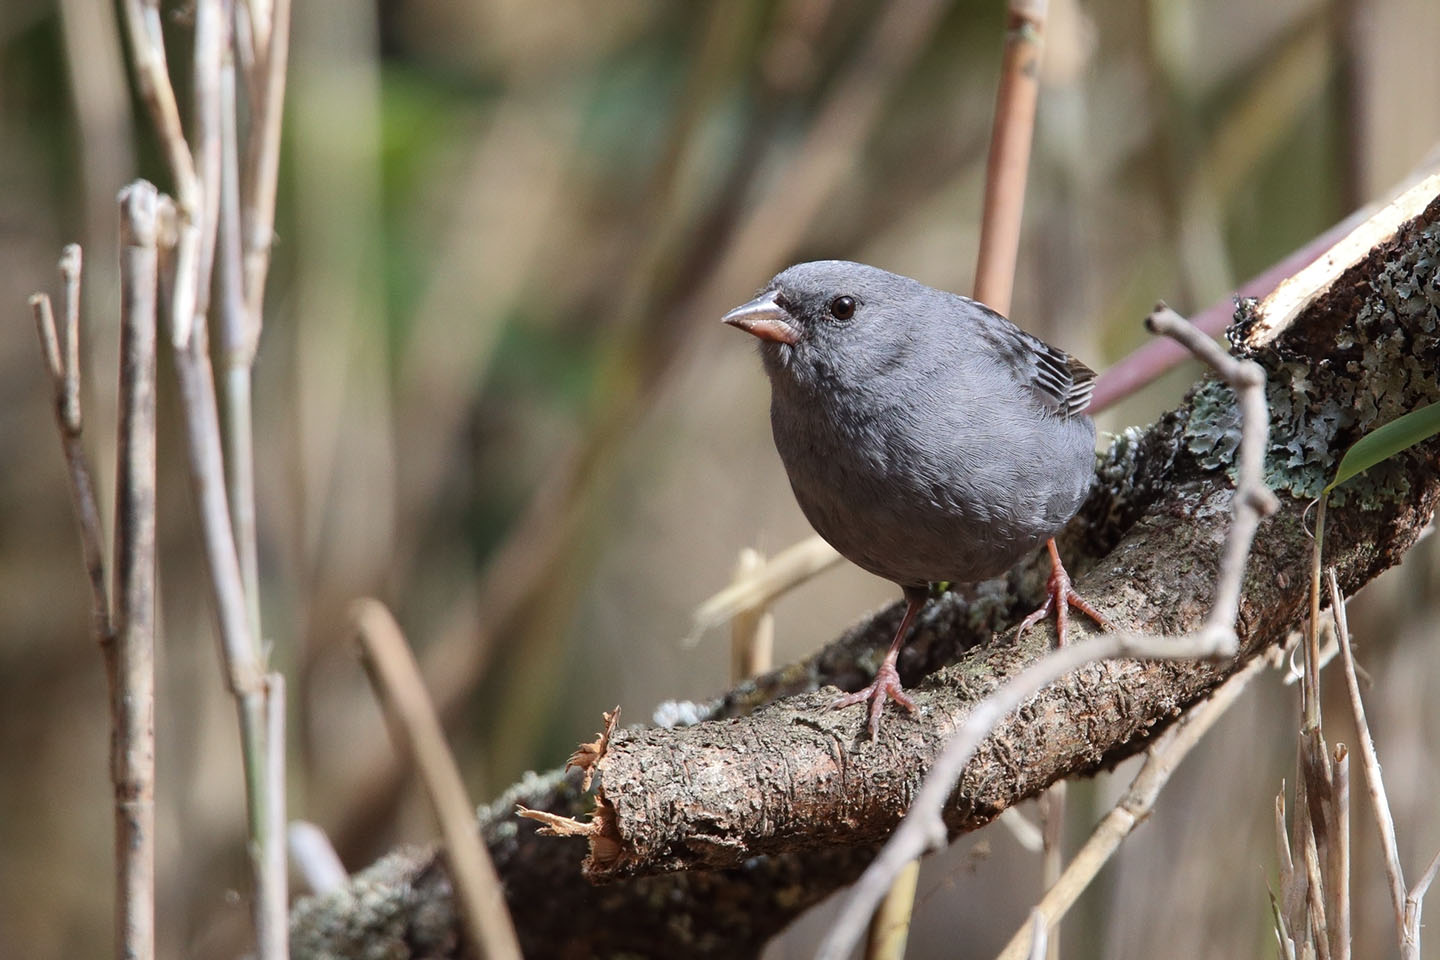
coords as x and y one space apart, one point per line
926 437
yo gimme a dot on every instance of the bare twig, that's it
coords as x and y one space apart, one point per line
65 382
764 585
1009 162
133 757
890 926
1410 947
314 857
272 926
1370 764
262 159
236 351
416 728
752 631
147 50
1338 886
1052 856
1131 809
923 829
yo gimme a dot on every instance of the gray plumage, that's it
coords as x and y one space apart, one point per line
926 437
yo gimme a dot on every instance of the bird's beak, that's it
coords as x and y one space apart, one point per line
766 319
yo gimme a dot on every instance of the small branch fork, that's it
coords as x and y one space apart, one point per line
923 828
124 629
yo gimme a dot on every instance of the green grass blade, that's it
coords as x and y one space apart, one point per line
1384 442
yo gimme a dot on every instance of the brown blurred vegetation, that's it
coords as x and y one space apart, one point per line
492 391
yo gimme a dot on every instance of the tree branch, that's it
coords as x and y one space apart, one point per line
771 809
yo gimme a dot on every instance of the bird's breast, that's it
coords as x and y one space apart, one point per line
917 494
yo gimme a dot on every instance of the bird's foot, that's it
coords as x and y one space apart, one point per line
885 687
1060 596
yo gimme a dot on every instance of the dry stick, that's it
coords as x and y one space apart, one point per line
415 727
1009 161
1339 866
65 381
766 583
1052 853
923 828
147 50
244 673
262 157
1370 764
236 357
133 750
1410 949
1132 808
752 631
314 857
134 832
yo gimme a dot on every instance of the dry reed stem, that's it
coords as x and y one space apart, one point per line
1370 765
1009 162
752 631
923 828
314 857
1133 807
133 756
416 729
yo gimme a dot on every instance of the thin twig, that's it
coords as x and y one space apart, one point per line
64 383
752 631
1338 882
923 829
1410 948
764 585
1009 163
1370 764
1052 857
262 160
314 857
147 51
1161 760
416 729
70 264
236 353
272 927
890 926
133 756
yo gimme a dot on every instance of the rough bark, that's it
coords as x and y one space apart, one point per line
776 801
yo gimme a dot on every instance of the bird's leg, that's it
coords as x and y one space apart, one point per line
1061 596
887 678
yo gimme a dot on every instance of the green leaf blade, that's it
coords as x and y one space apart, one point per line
1384 442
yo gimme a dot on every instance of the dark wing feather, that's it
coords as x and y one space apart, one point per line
1063 383
1059 382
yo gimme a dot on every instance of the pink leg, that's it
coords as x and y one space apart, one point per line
887 679
1060 597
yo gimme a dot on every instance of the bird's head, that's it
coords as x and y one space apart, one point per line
833 322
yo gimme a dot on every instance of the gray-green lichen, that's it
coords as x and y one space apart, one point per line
1384 362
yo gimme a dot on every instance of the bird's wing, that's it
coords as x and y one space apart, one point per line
1060 383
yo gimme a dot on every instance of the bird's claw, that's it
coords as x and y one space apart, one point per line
886 686
1060 596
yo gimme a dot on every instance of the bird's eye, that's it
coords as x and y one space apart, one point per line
842 308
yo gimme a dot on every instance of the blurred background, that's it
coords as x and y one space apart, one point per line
492 391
